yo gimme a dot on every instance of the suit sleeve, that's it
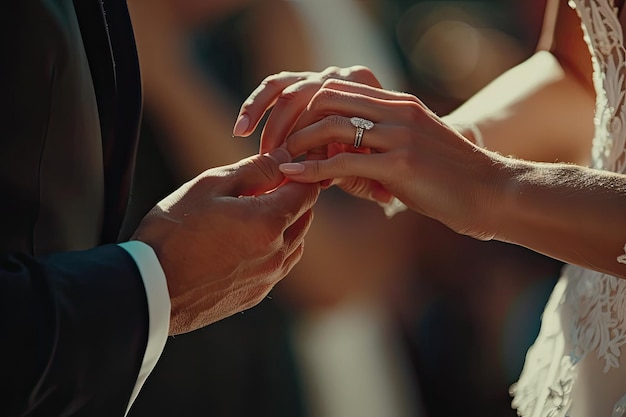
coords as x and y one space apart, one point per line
74 329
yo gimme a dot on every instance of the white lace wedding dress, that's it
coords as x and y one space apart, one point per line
574 368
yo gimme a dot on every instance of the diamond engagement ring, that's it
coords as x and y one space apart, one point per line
361 126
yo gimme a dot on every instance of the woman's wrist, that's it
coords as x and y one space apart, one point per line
497 189
524 205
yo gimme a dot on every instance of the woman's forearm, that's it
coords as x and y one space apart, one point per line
568 212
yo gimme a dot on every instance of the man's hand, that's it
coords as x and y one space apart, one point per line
225 238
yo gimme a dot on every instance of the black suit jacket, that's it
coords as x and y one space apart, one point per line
73 312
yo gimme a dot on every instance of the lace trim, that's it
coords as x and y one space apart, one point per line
587 311
603 33
598 312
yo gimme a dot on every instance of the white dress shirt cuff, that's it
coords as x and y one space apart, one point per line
158 308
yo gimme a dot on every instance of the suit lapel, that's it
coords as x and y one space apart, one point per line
110 48
95 35
121 149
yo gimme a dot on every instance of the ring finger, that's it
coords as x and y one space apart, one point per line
339 129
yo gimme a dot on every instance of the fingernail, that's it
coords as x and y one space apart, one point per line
280 155
291 168
241 125
326 183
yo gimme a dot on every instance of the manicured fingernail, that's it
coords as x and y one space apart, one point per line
326 183
241 125
291 168
280 155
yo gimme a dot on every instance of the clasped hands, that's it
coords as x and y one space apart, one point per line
409 153
226 237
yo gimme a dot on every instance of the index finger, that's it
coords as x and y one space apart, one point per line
291 104
262 99
288 108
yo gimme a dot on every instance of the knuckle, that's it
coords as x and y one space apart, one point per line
267 83
360 187
331 71
273 229
211 181
408 97
361 70
294 89
274 79
317 168
293 145
284 74
289 94
268 170
330 83
414 112
294 258
269 79
364 75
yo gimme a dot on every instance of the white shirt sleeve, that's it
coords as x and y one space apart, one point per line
158 308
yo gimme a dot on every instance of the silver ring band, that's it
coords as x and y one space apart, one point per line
361 126
358 137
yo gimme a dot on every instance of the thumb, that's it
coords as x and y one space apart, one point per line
259 174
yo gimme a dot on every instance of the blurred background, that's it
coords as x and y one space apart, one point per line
393 318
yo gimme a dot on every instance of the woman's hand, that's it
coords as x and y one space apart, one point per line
289 94
411 154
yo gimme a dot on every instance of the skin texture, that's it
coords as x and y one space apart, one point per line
225 238
243 255
194 114
554 208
